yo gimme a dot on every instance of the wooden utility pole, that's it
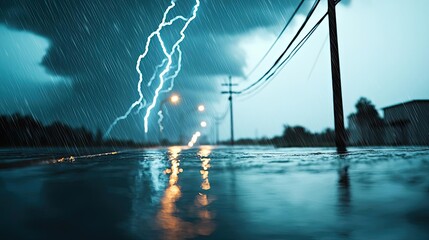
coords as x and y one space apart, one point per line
231 112
340 133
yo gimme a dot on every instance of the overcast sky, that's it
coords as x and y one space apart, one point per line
74 61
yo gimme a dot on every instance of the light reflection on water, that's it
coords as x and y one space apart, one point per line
174 227
168 217
218 193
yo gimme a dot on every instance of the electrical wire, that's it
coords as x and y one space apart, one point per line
317 57
287 59
287 48
261 86
277 39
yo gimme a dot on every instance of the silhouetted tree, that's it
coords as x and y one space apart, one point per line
366 112
18 130
366 124
298 136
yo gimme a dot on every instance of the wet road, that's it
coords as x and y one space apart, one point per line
215 193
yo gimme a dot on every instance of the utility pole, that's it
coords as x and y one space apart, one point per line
231 112
340 133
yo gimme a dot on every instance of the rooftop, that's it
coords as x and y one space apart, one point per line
425 101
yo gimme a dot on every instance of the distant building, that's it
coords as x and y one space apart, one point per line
403 124
355 131
407 123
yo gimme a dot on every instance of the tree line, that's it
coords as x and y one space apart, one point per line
24 131
298 136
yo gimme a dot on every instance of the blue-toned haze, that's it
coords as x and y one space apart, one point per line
74 61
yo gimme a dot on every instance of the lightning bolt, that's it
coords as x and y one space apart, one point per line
156 71
161 117
141 106
172 77
168 58
169 61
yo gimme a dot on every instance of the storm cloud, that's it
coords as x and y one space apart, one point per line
95 45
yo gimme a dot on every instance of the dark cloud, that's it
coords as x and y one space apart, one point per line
96 43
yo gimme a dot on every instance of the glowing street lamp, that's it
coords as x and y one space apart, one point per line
174 99
201 108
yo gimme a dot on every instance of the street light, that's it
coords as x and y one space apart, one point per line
174 99
201 108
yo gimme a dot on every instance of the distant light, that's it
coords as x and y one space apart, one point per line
201 108
194 139
203 124
174 99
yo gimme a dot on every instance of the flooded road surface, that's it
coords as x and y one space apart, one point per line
215 193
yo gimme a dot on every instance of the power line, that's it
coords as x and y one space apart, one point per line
301 43
288 58
287 48
317 57
297 48
248 90
261 86
277 39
